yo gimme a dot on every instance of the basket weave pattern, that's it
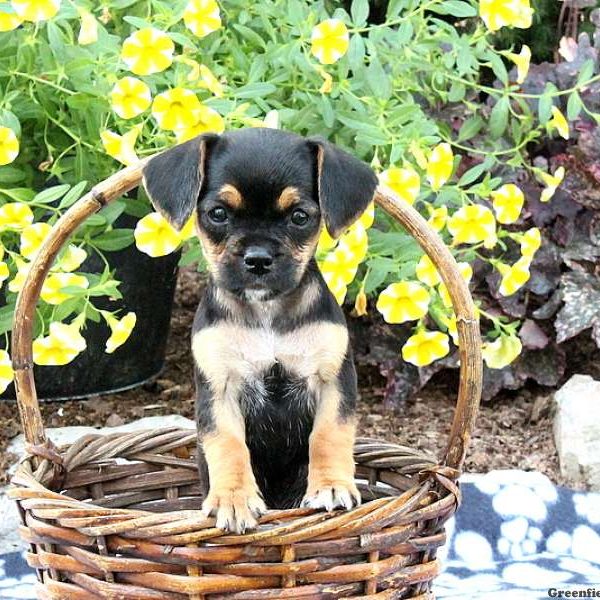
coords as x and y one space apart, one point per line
117 516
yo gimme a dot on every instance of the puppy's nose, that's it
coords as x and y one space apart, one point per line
258 260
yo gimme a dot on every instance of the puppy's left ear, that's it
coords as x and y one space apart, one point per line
345 184
173 179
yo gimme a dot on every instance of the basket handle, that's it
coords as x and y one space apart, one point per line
125 180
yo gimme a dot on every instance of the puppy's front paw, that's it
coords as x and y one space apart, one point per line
236 509
329 495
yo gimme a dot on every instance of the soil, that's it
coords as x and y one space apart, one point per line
515 431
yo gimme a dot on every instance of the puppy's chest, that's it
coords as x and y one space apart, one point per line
230 353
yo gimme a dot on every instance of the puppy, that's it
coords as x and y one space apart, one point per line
276 385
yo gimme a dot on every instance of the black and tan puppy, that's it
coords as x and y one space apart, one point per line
276 385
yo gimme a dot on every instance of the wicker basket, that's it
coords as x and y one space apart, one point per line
117 516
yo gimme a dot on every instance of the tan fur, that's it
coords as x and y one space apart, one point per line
287 198
213 253
231 196
331 443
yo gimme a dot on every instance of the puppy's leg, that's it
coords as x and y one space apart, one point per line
233 497
331 462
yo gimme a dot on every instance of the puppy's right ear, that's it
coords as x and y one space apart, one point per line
173 179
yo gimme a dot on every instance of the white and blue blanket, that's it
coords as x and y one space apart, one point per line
516 537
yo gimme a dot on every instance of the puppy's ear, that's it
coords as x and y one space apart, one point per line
345 186
173 179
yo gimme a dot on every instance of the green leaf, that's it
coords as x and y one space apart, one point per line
457 92
499 117
10 174
545 103
378 80
73 195
114 240
356 52
586 72
255 90
6 317
50 194
475 172
470 128
499 68
456 8
574 106
359 11
250 35
137 22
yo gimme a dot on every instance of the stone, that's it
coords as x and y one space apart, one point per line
9 517
577 430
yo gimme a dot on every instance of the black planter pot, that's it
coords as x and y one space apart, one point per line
148 288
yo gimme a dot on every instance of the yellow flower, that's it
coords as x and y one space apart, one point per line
501 13
148 51
60 347
356 241
326 242
437 216
9 145
16 283
176 108
71 259
6 371
337 287
9 19
88 33
368 217
522 61
327 85
513 277
360 304
559 123
405 182
341 263
426 271
130 97
502 351
189 229
4 273
210 82
508 202
202 17
121 147
120 330
530 242
36 10
403 301
330 40
206 119
15 215
466 271
424 347
439 166
52 289
471 224
154 235
32 237
552 182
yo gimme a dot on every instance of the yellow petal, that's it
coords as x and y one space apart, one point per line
36 10
6 371
440 166
120 331
501 352
403 301
425 347
9 146
155 237
329 41
405 182
202 17
88 33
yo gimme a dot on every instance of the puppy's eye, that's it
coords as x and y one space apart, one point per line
299 217
218 215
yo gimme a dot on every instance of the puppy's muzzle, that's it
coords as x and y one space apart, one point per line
258 260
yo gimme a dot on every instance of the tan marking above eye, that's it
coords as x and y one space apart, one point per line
287 198
231 196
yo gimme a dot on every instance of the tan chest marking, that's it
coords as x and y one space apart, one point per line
227 352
